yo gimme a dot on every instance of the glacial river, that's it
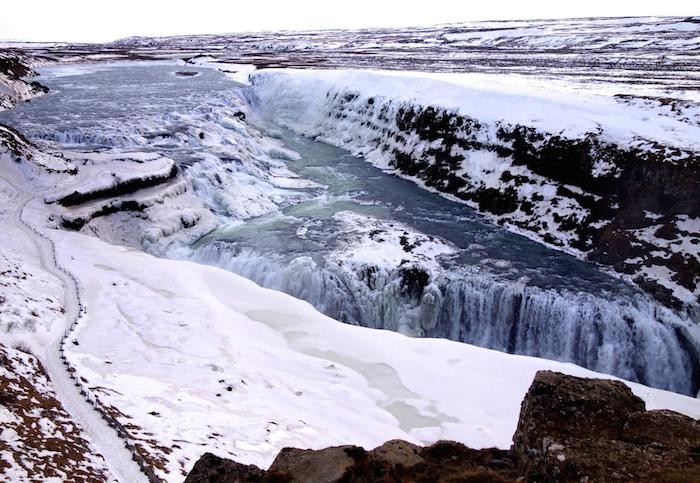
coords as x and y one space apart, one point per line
489 287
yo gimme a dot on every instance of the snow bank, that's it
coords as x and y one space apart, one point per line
237 72
31 299
300 100
113 175
209 361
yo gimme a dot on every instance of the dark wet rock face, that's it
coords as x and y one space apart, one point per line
13 67
570 429
14 73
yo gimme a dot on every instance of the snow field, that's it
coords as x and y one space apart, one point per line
199 359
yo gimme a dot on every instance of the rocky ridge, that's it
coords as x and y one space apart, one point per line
570 429
14 86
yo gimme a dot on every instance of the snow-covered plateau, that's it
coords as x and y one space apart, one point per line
153 213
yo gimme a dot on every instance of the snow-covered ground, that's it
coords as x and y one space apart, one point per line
39 440
209 361
237 72
598 47
59 430
32 298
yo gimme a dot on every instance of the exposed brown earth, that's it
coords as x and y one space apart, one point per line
38 438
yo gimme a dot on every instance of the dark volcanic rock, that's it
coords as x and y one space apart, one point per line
211 468
394 461
14 71
663 428
398 452
309 466
574 429
13 67
570 429
558 406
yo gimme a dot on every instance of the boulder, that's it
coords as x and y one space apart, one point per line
309 466
559 407
398 452
576 429
211 468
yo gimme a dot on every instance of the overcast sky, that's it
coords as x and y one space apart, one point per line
94 20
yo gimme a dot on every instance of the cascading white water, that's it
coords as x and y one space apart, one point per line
76 137
626 335
626 338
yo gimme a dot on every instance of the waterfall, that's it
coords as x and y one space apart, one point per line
626 336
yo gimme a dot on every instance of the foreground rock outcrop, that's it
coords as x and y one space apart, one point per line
570 429
574 429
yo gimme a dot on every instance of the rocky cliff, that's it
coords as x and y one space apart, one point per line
570 429
14 84
609 178
630 207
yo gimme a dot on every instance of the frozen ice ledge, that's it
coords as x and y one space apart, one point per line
609 178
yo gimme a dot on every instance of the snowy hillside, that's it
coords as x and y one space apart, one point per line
13 88
547 43
40 440
207 359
